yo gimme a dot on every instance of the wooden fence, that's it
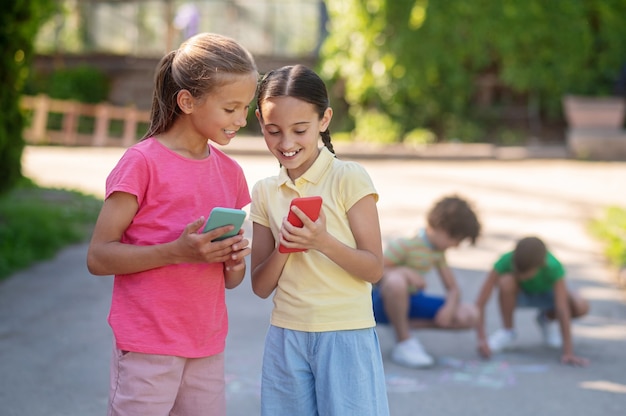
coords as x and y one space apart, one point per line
71 123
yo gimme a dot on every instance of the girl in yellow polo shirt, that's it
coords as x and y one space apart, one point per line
322 355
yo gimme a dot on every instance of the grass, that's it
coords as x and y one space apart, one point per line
611 230
35 223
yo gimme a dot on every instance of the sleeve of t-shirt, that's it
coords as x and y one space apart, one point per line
396 252
355 184
130 175
504 264
258 208
555 268
243 195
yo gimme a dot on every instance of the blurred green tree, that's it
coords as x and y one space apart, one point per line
19 22
451 65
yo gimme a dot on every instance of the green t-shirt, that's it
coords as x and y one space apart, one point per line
541 282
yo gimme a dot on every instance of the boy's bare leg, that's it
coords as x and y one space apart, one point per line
466 317
395 291
578 306
507 298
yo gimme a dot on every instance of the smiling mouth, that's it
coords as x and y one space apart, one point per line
290 154
230 131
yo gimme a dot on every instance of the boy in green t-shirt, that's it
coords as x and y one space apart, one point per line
530 276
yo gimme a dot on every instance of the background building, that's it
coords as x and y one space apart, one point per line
125 39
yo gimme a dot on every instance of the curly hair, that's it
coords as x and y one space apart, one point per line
529 253
456 217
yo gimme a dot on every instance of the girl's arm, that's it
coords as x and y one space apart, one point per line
107 255
481 301
366 260
267 262
445 316
235 266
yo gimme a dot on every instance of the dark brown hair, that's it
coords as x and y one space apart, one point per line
299 82
456 217
529 253
201 64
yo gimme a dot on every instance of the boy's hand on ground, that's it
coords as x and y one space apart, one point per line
572 359
483 349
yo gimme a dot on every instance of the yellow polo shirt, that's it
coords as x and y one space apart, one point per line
314 294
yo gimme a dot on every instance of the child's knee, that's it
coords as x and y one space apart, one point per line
391 290
467 316
581 307
394 282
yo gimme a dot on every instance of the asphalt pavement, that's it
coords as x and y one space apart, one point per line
55 342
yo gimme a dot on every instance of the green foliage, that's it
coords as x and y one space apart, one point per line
37 222
83 83
419 137
611 229
19 22
376 127
422 62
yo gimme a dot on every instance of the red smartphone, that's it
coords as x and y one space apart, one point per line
311 206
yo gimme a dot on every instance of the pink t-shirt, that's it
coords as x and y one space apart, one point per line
178 309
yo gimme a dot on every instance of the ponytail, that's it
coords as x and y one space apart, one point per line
164 106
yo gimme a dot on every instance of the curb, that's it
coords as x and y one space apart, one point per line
255 145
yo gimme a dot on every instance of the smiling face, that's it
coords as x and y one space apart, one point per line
219 115
291 128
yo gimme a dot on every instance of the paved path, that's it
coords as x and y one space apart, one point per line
55 343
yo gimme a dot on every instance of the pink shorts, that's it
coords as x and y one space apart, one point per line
160 385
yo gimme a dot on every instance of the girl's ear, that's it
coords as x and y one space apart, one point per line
185 101
257 113
325 121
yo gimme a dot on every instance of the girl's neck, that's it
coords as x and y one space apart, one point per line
191 149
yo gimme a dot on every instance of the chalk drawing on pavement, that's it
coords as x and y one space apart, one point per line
237 385
483 374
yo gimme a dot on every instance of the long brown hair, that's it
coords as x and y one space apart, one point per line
201 64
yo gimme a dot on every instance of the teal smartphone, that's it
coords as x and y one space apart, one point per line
220 217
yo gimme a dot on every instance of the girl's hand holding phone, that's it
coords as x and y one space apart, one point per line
194 246
237 258
306 237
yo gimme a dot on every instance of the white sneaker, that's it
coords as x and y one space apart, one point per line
410 353
550 331
501 340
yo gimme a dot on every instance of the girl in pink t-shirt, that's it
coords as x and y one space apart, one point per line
168 311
